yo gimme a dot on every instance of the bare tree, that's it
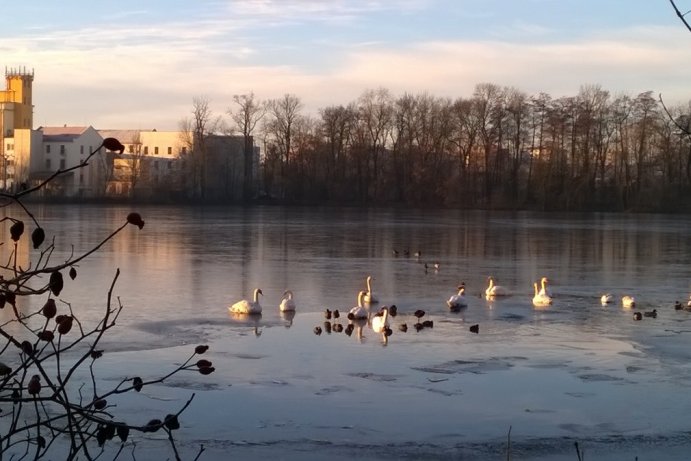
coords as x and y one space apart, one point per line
284 113
248 114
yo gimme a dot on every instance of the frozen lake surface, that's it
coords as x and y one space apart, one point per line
573 372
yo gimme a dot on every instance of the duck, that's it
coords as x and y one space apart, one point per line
287 303
628 301
327 314
606 299
403 327
248 307
428 323
458 300
369 295
475 328
418 254
419 313
393 310
336 313
381 322
652 314
359 311
637 316
495 290
678 306
317 330
541 299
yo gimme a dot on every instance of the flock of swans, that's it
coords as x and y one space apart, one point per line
360 314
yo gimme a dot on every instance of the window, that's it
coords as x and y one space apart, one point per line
130 148
184 151
156 150
62 149
81 150
146 150
47 148
48 166
170 151
62 163
10 146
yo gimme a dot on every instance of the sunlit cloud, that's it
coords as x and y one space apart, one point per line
147 75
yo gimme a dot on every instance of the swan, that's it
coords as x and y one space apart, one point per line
689 303
541 299
606 299
359 311
287 303
248 307
544 290
458 300
495 290
628 301
369 296
381 322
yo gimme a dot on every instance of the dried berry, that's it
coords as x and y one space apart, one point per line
37 237
135 219
201 349
100 404
56 283
137 383
11 298
114 145
123 432
152 426
206 370
96 354
171 422
16 230
46 335
101 436
49 309
65 326
34 386
4 369
203 363
73 273
27 348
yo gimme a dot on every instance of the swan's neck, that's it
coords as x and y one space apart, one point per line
544 285
256 295
369 284
491 284
359 299
385 316
535 286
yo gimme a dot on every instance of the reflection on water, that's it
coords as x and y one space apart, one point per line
573 368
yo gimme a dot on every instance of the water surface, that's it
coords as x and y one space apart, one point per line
576 371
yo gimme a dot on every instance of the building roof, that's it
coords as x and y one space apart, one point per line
124 136
62 133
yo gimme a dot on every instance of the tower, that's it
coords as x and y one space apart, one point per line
16 102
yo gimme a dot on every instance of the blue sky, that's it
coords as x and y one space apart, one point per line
139 64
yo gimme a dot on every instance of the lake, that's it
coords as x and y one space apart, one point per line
575 371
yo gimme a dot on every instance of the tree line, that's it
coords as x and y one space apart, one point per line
500 148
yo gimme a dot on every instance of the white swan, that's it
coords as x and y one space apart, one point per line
369 295
458 300
359 311
628 302
495 290
541 299
606 299
544 290
248 307
287 303
381 322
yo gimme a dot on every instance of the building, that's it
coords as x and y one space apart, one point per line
154 164
16 112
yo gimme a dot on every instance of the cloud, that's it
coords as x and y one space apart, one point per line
132 76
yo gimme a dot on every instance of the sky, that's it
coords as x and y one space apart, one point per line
138 64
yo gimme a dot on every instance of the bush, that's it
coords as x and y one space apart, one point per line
45 409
